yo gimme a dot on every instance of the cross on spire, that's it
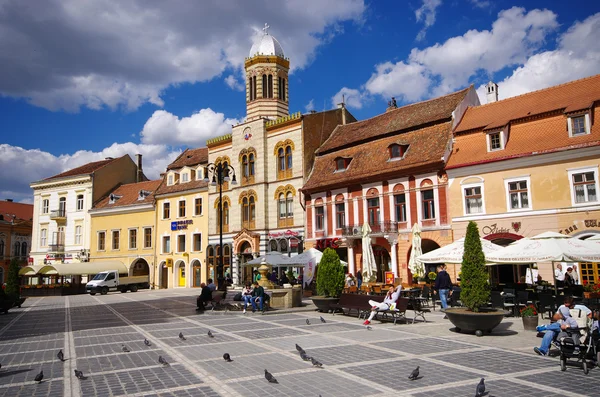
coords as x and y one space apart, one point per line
266 28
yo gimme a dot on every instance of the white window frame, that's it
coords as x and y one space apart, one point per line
170 179
184 208
587 123
185 177
193 247
129 238
78 236
77 206
44 237
112 239
507 181
144 237
184 242
45 206
98 240
163 210
392 185
162 245
488 138
582 170
464 186
200 173
201 206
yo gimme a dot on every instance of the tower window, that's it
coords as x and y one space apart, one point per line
264 86
253 87
270 86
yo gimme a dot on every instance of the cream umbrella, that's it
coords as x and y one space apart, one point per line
368 258
453 253
416 267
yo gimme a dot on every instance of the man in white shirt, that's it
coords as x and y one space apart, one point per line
575 274
559 276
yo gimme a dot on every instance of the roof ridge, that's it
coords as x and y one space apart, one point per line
537 91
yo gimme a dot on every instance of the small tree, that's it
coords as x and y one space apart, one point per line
330 277
12 280
475 291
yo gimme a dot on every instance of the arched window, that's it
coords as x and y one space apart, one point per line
252 211
245 171
253 87
281 88
17 251
400 203
1 248
288 157
210 255
282 209
270 86
281 159
23 249
265 94
251 164
250 89
245 212
373 211
226 257
290 205
225 216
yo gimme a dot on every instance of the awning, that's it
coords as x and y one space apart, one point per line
81 268
30 270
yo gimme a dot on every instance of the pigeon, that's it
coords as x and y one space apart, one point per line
305 357
270 377
181 336
316 363
322 319
369 328
147 342
300 350
162 361
480 388
39 377
126 349
227 357
210 334
414 374
79 375
307 322
60 355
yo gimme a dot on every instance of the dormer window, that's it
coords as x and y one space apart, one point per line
397 151
495 141
341 164
579 125
143 194
170 180
112 198
185 177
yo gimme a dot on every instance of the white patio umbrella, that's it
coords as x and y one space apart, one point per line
417 268
594 238
309 259
368 258
276 259
453 253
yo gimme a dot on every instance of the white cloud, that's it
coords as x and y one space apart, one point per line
233 83
35 164
65 54
426 13
577 56
351 97
481 3
166 128
408 81
310 105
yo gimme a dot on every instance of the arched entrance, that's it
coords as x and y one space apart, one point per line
196 273
382 260
427 245
179 274
245 255
139 267
163 276
509 273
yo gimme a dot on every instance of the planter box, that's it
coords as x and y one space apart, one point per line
484 321
323 304
530 322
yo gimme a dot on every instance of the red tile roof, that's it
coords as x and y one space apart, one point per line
181 187
394 121
84 169
528 135
190 157
21 211
572 96
129 194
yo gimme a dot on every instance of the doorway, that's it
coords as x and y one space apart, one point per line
196 273
181 275
164 276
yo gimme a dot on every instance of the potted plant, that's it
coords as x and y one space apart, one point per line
330 280
431 276
591 290
475 290
529 314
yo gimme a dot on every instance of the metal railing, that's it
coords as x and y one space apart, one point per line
376 228
56 214
56 248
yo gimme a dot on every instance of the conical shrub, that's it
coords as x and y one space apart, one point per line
330 274
475 289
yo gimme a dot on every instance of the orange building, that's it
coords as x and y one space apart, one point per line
15 234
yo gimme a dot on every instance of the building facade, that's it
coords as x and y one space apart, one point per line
15 234
526 165
182 222
387 172
61 220
123 226
271 152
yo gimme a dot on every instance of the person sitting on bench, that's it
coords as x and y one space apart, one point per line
205 296
388 303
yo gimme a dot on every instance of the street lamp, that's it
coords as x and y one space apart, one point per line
220 174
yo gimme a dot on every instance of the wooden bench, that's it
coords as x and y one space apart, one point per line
399 312
416 304
358 302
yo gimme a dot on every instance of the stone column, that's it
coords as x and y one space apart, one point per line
351 264
395 258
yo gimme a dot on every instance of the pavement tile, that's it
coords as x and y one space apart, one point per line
347 354
26 373
270 333
425 345
188 392
578 382
496 361
48 388
215 351
252 365
493 388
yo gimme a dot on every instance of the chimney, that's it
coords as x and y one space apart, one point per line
343 107
492 92
391 105
140 171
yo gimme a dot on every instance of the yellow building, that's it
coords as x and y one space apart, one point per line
123 225
182 222
526 165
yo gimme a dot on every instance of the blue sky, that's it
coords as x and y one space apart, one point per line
86 79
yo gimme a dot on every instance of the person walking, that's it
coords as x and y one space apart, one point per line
359 279
389 302
442 286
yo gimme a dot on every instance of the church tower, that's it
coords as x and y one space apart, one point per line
266 79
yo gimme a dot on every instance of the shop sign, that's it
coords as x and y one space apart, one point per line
287 233
389 277
587 222
493 229
327 243
181 225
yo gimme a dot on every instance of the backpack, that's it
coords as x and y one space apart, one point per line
238 297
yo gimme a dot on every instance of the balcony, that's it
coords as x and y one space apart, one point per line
56 248
379 228
58 215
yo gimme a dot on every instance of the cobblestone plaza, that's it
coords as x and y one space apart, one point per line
91 331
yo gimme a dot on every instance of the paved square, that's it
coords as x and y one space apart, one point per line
91 331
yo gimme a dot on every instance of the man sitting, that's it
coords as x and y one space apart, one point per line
558 329
205 296
211 285
258 295
388 303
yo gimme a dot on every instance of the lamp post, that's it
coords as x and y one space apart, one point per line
220 174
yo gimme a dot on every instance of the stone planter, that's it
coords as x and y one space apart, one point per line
323 303
530 322
483 321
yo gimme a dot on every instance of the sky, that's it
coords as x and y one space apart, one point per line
81 80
